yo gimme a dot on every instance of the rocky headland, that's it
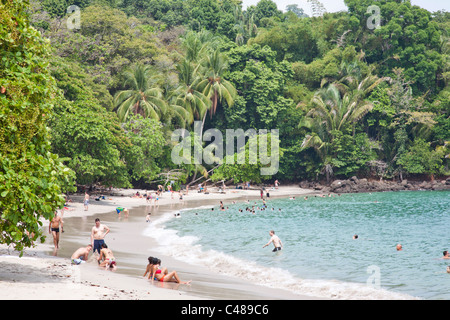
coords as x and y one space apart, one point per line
355 185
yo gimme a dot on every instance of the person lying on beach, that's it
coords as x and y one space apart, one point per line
81 254
108 258
163 275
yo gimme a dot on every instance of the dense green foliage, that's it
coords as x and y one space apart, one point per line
32 178
347 99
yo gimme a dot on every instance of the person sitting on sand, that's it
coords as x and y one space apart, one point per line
163 275
152 261
81 255
108 258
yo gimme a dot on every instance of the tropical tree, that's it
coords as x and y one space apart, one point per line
177 114
245 28
147 138
409 121
32 177
335 112
143 97
213 85
329 117
189 96
197 45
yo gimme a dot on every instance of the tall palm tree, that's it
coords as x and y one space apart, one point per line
176 112
213 85
143 96
189 96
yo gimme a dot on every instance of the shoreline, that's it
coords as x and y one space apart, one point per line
40 275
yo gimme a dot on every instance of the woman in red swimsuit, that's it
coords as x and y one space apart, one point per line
163 275
151 267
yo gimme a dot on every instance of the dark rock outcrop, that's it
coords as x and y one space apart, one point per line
355 185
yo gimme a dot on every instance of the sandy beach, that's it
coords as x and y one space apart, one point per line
43 273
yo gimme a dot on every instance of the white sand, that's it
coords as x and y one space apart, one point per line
39 276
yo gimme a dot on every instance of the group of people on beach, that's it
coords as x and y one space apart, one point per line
153 197
106 259
105 256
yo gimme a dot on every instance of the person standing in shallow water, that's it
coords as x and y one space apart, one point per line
86 201
54 229
275 240
98 233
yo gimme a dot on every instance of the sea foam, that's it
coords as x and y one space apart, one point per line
187 249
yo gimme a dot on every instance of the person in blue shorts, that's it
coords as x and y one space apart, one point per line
81 255
98 233
119 210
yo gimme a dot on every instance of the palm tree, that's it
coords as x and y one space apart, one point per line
214 86
330 113
197 45
189 96
143 96
176 111
335 112
245 28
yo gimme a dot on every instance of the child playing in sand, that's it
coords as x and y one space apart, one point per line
119 210
108 258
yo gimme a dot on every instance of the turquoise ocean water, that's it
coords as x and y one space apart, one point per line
319 257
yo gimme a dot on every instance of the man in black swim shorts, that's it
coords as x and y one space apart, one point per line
275 240
53 228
